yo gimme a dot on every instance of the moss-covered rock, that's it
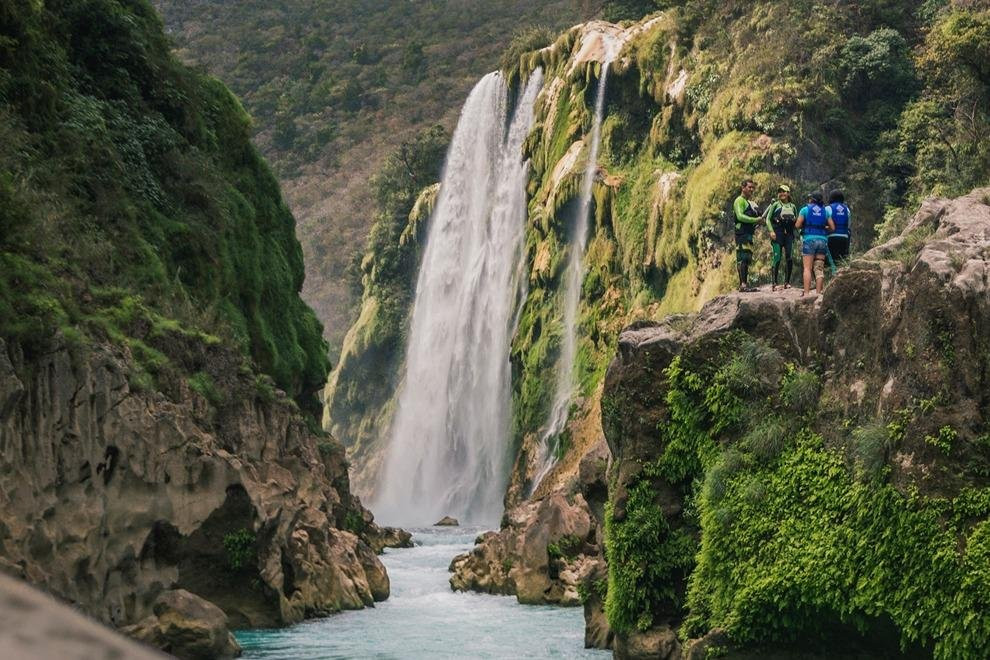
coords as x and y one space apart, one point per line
803 473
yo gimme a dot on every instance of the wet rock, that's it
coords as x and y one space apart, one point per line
187 627
712 644
541 554
597 633
658 643
447 521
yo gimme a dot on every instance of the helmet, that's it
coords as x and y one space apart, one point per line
784 188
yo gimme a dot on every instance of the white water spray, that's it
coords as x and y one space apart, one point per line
449 447
573 278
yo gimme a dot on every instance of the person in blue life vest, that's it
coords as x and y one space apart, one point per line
815 221
781 216
838 240
747 216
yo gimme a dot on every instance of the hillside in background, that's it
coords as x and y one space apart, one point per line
334 87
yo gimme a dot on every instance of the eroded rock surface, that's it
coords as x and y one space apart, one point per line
548 550
111 495
186 626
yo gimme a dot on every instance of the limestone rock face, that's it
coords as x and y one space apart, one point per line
659 643
548 550
187 627
111 495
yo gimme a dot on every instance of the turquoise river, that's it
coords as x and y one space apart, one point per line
423 618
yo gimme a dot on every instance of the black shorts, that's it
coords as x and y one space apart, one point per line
784 235
839 247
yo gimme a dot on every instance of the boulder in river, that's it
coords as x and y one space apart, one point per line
186 626
447 521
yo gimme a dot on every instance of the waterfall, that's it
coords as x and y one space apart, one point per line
449 440
573 278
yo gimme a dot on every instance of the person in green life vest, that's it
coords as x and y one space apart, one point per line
815 221
747 216
781 216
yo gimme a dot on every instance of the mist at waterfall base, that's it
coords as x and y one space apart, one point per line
423 618
573 278
448 451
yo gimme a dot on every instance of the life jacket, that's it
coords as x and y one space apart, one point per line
815 221
785 215
840 216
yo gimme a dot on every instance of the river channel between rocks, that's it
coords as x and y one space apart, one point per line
423 618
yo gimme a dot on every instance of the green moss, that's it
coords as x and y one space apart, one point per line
201 383
646 559
566 547
145 183
789 566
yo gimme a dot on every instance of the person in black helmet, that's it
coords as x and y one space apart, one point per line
815 221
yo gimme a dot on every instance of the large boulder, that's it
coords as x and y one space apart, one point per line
187 627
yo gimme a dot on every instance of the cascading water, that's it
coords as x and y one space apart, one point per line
573 277
448 452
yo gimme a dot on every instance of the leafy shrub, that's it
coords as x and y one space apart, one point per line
799 390
240 549
876 66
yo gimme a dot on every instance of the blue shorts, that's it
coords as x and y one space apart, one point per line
814 245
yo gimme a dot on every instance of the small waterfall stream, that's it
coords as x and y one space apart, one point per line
573 278
448 450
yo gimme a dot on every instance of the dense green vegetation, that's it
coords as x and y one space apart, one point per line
801 539
132 205
334 87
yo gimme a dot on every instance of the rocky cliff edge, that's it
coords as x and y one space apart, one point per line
793 474
120 499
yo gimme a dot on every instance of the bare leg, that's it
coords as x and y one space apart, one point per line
808 262
819 273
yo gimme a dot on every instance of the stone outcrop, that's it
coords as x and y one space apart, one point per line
447 521
908 319
548 549
34 626
186 626
112 495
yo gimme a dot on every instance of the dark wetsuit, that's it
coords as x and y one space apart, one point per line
747 216
780 221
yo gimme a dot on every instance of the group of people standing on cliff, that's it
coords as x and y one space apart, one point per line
824 234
